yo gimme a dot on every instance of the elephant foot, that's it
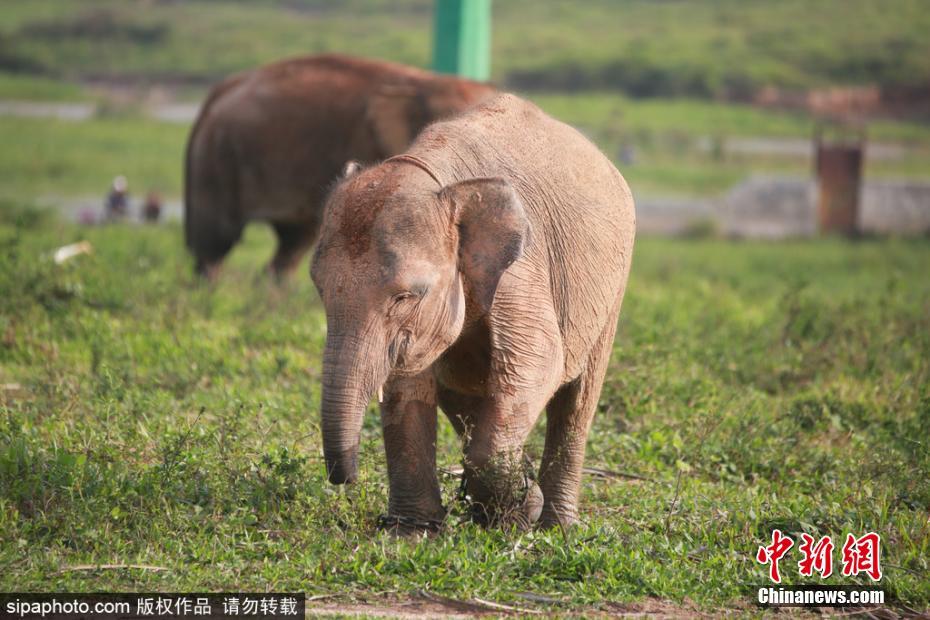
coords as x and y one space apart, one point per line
528 513
558 517
281 274
409 527
521 514
503 492
208 271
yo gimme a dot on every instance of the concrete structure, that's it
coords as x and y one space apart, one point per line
787 207
775 207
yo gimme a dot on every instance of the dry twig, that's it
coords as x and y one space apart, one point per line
90 567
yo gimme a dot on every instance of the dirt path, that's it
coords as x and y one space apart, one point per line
759 208
793 148
169 112
43 109
162 106
432 606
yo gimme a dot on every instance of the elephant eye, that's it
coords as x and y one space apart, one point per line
405 299
400 301
401 297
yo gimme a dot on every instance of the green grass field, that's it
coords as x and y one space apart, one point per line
576 59
148 419
61 158
671 48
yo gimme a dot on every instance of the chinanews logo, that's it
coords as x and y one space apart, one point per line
859 555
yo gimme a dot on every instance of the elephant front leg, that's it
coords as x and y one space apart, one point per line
497 480
408 421
526 367
498 476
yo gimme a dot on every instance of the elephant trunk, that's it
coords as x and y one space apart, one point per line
348 385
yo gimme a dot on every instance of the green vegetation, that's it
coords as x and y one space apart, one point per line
689 119
148 419
666 136
197 41
61 158
645 48
43 158
39 89
710 49
576 59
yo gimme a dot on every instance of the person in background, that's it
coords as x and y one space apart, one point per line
117 203
151 209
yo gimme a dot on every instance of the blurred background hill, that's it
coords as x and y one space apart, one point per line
689 97
728 49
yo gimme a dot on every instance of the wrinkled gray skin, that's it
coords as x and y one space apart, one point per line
493 293
269 142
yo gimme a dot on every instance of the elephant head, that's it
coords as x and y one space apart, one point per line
400 263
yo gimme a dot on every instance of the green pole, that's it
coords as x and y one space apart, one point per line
462 38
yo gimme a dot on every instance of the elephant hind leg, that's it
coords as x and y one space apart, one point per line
294 240
569 415
210 242
459 409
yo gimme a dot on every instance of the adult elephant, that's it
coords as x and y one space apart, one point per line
268 143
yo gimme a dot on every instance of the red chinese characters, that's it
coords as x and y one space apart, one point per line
817 557
774 552
861 555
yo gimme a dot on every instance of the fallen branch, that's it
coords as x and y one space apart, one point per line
904 568
609 473
320 597
466 606
671 507
498 607
540 598
90 567
456 472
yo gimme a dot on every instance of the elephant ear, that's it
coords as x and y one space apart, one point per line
396 114
493 232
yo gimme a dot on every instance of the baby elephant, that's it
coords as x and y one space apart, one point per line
482 271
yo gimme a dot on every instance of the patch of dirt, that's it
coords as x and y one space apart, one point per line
426 605
432 606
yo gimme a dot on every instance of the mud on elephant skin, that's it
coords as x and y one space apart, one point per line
481 272
268 143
